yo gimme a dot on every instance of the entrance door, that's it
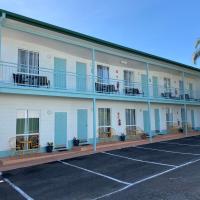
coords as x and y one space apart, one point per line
60 138
157 120
144 84
59 73
146 121
155 86
80 76
192 119
82 124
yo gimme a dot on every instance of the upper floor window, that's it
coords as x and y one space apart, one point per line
28 61
128 78
102 74
167 83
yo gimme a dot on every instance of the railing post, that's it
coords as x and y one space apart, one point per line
148 102
185 107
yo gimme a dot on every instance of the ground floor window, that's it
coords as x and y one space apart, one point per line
27 129
130 121
104 116
169 118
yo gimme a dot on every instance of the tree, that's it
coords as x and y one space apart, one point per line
196 54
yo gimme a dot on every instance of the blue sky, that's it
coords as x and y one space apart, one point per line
166 28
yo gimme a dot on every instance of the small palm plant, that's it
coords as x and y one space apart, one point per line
196 54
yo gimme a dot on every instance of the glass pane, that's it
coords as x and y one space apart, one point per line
22 60
108 117
34 141
101 116
20 126
33 125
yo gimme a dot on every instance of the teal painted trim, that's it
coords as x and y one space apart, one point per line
51 27
86 95
8 153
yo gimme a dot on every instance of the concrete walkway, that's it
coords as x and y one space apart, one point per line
9 163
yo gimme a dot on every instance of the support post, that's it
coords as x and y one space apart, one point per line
94 125
93 70
94 100
149 103
185 107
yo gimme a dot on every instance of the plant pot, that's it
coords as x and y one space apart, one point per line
143 136
109 135
122 137
49 149
181 130
76 142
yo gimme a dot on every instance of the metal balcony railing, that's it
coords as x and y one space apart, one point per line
12 75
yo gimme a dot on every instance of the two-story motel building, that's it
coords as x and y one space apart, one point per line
56 84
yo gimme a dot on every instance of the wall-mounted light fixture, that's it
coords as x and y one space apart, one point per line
124 62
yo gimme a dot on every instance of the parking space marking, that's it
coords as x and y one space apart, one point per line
1 181
168 151
20 191
181 144
146 179
138 160
93 172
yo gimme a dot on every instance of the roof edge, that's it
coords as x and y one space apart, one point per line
34 22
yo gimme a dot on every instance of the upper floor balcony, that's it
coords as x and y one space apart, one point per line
59 80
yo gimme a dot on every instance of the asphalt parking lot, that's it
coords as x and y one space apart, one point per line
164 170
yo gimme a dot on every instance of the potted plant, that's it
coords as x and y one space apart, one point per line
143 136
122 137
180 130
49 147
75 141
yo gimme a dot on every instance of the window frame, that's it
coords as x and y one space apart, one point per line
29 68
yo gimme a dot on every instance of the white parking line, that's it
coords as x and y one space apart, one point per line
20 191
1 181
93 172
146 179
138 160
181 144
167 151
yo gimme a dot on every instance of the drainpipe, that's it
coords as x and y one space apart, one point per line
185 107
149 103
94 101
2 19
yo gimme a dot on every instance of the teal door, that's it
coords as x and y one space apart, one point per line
157 120
192 119
146 121
80 76
144 82
60 139
155 86
59 73
82 124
